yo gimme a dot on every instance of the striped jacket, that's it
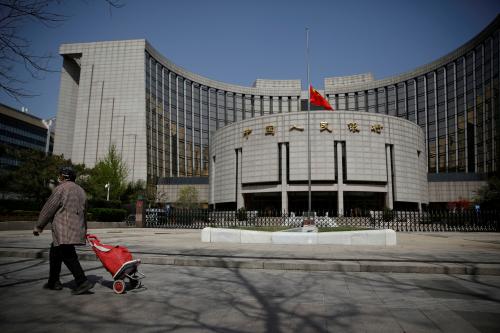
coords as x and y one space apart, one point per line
66 208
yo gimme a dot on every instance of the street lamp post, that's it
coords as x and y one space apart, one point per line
133 163
47 123
108 186
111 125
123 133
123 126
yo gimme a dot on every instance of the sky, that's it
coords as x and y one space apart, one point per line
239 41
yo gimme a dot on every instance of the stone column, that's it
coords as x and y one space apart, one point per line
389 197
240 202
139 214
211 183
340 181
284 185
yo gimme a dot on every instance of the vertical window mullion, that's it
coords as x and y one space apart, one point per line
436 121
445 84
456 112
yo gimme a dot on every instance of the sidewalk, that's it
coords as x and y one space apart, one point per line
433 253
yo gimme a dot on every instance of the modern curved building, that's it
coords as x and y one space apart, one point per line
162 117
364 161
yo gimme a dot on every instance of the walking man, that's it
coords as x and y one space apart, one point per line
66 208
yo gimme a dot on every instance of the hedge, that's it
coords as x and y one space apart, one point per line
98 203
19 215
106 214
9 205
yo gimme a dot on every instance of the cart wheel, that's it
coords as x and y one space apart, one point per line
119 286
134 283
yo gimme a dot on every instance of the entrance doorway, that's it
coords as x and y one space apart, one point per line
263 202
360 202
321 202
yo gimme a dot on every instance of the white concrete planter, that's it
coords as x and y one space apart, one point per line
384 237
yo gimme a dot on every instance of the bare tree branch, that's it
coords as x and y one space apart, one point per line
115 3
15 49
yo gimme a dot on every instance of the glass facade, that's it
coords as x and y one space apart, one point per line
19 130
181 115
456 104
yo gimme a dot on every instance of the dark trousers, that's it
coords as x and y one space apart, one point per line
65 253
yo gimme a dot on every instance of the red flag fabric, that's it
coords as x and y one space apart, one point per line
318 100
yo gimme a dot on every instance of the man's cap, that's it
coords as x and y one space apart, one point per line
67 173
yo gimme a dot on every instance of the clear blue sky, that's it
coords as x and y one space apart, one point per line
239 41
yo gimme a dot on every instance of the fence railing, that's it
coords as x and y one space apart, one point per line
468 220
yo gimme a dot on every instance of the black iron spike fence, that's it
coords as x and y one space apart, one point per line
406 221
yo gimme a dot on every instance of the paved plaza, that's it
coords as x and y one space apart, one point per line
185 291
458 253
205 299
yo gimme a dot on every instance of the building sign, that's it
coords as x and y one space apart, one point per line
247 132
377 128
270 130
323 126
297 128
353 127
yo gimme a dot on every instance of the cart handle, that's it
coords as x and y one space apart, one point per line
91 238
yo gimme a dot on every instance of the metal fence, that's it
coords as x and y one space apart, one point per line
468 220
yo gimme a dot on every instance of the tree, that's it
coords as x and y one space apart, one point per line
110 170
161 196
188 198
31 178
15 47
488 196
133 191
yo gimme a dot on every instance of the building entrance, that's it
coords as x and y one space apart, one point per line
358 202
321 202
263 202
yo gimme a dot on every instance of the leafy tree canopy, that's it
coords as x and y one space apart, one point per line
110 170
488 196
32 177
133 191
188 198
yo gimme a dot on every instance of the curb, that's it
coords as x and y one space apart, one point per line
289 264
28 225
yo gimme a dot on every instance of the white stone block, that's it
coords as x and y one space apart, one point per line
390 237
369 237
283 237
219 235
255 237
205 235
335 238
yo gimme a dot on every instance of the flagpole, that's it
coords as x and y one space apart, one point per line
308 128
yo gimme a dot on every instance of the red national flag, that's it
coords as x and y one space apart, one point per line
318 100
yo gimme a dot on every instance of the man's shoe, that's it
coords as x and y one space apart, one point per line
82 288
56 286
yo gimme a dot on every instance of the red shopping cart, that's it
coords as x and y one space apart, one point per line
118 261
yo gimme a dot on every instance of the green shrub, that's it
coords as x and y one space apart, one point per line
242 214
106 214
19 215
90 216
387 215
25 212
98 203
9 205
